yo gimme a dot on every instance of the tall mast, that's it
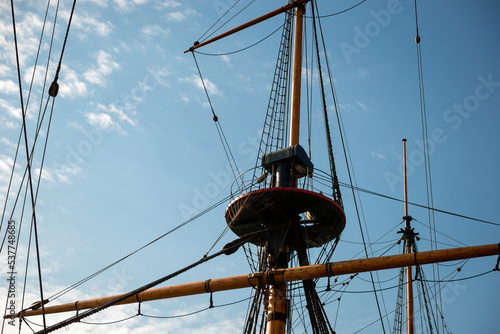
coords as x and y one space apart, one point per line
409 240
277 311
296 77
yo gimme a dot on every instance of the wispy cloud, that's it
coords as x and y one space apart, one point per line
87 23
70 85
28 26
5 70
226 59
100 120
109 117
9 87
12 111
196 81
362 105
104 66
178 16
118 112
128 5
150 31
61 174
378 155
168 4
353 106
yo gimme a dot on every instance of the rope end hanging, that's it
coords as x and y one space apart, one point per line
139 309
211 300
328 287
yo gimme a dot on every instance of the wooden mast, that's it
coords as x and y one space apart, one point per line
281 275
296 77
409 240
277 309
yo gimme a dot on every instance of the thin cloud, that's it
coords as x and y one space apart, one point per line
150 31
128 5
352 106
5 70
100 120
27 27
178 16
112 109
70 85
196 81
12 111
104 67
378 155
168 4
88 23
60 174
226 59
362 105
9 87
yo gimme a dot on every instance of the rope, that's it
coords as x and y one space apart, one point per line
222 136
240 50
349 172
425 137
335 183
54 87
238 13
23 111
342 11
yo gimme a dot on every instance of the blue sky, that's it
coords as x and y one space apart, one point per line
133 151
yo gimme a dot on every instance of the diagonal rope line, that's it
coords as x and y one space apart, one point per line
350 176
30 182
222 136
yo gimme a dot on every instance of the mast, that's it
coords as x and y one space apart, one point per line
277 310
296 77
409 240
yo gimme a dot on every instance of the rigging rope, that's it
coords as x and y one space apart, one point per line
30 183
335 182
222 136
342 11
54 87
227 12
350 173
425 140
239 50
30 155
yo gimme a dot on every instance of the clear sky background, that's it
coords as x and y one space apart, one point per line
133 151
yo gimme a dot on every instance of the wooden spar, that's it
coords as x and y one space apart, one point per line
283 275
277 312
409 241
255 21
296 78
